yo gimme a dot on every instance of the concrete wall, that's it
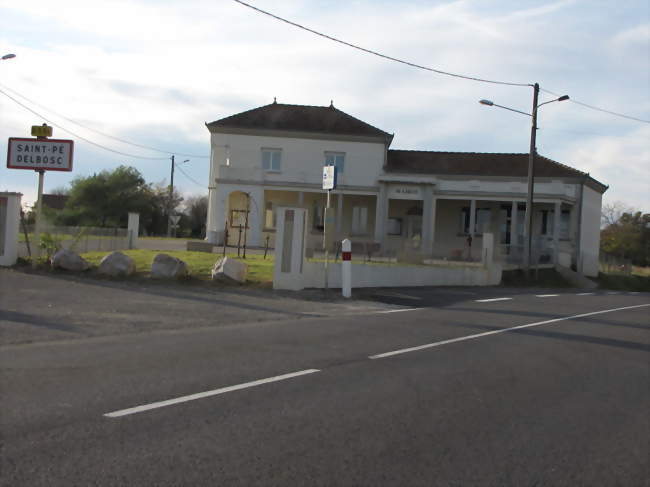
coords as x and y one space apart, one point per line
590 234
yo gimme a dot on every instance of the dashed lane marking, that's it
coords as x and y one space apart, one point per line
546 295
585 294
396 310
491 300
201 395
496 332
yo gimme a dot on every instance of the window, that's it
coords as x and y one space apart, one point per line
269 216
565 224
335 159
548 222
271 160
359 220
394 226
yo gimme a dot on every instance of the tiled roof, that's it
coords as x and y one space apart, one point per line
300 118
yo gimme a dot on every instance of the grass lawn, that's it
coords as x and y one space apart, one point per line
260 271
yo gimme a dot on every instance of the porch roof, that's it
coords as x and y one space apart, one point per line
481 164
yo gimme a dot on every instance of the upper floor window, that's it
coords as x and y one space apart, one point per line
272 160
335 159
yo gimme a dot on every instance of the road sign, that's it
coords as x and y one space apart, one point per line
329 177
175 219
40 154
41 130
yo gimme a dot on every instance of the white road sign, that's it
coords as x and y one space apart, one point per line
40 154
329 177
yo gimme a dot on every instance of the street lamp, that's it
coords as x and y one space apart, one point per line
528 225
8 56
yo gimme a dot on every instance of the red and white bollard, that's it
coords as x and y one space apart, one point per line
346 268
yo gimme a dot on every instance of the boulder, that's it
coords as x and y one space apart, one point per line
117 264
167 267
69 261
229 270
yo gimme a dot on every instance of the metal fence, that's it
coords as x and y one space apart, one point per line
79 239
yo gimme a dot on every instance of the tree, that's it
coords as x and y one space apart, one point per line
105 199
196 214
628 237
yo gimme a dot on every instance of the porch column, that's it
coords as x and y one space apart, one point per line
557 216
472 217
434 207
427 220
381 213
339 213
301 199
513 226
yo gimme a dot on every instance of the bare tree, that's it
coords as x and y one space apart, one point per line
611 213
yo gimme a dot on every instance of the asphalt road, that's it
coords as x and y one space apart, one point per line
399 387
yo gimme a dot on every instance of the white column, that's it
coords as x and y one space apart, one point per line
427 220
9 228
339 213
513 226
381 214
472 217
301 198
133 230
434 209
557 215
346 268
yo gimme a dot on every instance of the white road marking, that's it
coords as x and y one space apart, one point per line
496 332
635 292
585 294
546 295
397 310
613 292
201 395
491 300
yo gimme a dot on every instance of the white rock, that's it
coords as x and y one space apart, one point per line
165 267
117 264
226 269
69 260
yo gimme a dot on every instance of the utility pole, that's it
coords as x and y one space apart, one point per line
528 225
169 203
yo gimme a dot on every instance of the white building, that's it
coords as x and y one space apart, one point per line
400 200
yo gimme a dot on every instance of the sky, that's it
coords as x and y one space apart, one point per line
153 72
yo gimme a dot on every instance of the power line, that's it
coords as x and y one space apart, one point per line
375 53
390 58
79 136
97 131
190 178
592 107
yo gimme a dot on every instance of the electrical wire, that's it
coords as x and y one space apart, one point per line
79 136
375 53
190 178
97 131
592 107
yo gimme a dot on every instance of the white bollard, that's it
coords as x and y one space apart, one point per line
346 268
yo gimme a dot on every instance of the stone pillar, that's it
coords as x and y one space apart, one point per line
301 199
434 210
133 230
557 216
472 217
9 228
381 214
427 220
339 213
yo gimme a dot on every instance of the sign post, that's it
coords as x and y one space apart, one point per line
39 154
329 183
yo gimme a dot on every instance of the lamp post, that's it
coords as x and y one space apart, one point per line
528 224
171 198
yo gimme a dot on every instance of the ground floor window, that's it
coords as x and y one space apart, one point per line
318 221
481 220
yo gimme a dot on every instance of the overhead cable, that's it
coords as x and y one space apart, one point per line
79 136
97 131
622 115
375 53
190 178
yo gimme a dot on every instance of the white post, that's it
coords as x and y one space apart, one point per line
133 230
346 268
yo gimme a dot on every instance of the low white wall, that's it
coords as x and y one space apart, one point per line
377 275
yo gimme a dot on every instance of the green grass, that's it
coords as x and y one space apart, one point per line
621 282
547 278
260 271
